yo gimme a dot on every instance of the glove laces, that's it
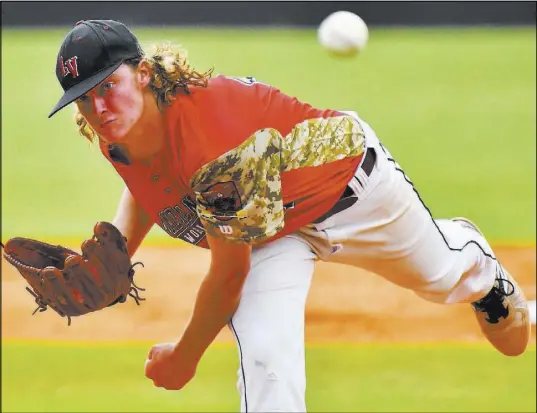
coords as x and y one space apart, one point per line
134 291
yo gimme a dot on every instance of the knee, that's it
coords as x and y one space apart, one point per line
459 284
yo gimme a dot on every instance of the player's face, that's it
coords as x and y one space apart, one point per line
116 105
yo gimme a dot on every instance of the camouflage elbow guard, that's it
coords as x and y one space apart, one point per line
239 194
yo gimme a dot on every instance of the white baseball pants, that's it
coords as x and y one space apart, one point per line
388 231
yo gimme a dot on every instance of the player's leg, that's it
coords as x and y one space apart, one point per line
269 328
391 232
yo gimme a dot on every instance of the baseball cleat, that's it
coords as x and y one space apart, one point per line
503 314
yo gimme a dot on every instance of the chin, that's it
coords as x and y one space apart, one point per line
113 137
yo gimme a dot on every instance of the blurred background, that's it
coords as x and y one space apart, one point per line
269 14
449 87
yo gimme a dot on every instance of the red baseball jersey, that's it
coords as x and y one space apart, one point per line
245 161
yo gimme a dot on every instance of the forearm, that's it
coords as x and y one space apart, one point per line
132 221
216 302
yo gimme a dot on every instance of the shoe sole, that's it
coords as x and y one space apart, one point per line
524 312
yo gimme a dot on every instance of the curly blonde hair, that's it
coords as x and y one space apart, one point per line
171 73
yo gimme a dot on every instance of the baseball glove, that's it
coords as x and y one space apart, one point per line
73 284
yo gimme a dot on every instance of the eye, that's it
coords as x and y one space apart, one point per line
107 86
82 99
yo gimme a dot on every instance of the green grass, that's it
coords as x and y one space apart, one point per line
361 378
456 107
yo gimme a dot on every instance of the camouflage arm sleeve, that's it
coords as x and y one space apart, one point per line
238 195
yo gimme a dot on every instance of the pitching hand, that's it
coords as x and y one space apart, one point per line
168 367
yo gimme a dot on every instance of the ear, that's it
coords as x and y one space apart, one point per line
143 73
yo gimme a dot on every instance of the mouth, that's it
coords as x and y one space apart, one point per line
108 122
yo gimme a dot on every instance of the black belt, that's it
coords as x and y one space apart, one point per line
348 197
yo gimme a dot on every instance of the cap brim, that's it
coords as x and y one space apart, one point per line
83 87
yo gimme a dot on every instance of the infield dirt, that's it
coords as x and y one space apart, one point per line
345 304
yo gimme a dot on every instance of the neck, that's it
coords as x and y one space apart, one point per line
148 138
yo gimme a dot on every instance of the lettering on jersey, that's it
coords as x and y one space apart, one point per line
190 204
182 221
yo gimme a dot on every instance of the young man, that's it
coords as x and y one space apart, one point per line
270 185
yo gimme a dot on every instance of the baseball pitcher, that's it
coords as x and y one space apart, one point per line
270 185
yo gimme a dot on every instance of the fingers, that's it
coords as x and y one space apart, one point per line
149 364
151 361
151 351
156 367
149 367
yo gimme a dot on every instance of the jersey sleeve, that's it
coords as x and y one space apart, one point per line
239 194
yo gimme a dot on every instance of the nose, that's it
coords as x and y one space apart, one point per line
99 105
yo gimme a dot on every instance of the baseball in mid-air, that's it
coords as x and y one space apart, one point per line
343 33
